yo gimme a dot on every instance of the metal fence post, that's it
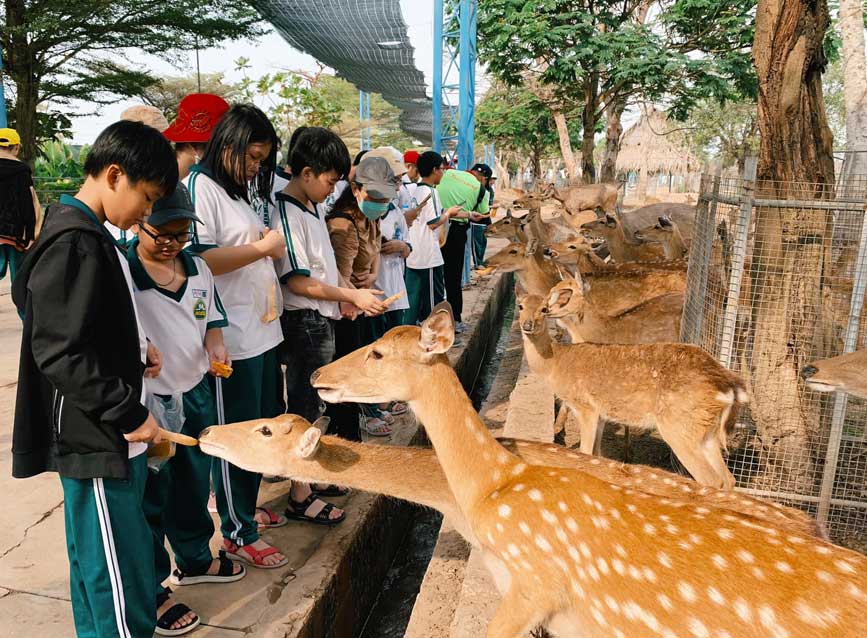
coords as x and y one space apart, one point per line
739 254
699 260
832 455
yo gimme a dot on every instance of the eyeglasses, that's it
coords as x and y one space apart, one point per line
164 239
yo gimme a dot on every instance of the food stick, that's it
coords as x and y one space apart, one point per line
180 439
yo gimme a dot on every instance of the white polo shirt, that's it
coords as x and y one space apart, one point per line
176 322
425 243
390 279
406 193
230 222
308 253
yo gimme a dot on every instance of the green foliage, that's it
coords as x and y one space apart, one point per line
725 130
59 169
835 101
167 92
56 52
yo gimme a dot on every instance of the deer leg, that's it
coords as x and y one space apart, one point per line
627 444
588 425
560 421
515 616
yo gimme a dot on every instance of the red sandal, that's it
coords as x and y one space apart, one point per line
253 557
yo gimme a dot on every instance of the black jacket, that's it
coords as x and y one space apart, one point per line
80 375
17 215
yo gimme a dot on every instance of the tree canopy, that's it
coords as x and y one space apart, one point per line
57 52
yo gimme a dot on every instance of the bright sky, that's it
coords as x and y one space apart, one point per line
268 54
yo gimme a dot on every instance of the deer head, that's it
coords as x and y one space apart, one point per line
600 228
389 368
532 312
566 298
845 373
509 259
508 227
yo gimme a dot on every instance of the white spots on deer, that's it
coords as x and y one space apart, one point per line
758 573
563 507
649 574
480 438
543 544
518 487
856 592
618 566
824 576
490 538
783 566
844 567
635 573
612 604
672 529
524 528
725 534
665 602
497 476
695 539
503 457
504 511
697 628
745 557
585 550
621 551
769 621
598 617
714 594
549 517
535 495
564 479
649 529
742 609
719 561
500 528
600 522
603 566
572 525
814 617
794 540
561 535
573 554
519 469
686 591
594 573
564 567
821 549
664 560
578 590
513 550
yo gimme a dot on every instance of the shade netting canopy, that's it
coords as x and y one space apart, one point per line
366 43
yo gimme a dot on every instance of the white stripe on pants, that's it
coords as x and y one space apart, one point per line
111 558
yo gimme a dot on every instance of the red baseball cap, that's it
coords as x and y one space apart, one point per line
198 114
411 157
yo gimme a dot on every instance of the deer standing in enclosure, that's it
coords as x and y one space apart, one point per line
587 557
621 247
677 389
665 233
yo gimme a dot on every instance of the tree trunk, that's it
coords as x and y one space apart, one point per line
565 144
854 84
613 139
792 245
588 121
18 63
504 179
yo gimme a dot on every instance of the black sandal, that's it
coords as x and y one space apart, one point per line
173 615
331 490
226 573
310 511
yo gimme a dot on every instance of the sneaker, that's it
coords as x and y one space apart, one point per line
461 327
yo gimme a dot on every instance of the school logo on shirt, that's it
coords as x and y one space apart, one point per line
200 310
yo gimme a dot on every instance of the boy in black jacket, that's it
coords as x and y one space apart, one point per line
79 407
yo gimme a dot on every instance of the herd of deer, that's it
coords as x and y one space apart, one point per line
582 545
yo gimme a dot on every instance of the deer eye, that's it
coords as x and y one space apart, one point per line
573 247
265 430
545 310
513 252
520 306
375 354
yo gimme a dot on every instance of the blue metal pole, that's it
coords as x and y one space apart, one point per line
438 77
3 121
469 53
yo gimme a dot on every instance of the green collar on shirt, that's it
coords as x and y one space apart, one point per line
200 168
283 197
69 200
143 280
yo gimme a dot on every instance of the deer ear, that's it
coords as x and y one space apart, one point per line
610 220
322 424
309 443
559 299
665 222
438 330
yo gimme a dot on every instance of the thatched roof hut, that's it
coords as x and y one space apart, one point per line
652 146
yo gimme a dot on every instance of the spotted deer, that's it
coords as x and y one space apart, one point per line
844 373
586 557
534 271
585 197
665 233
656 320
621 247
677 389
289 445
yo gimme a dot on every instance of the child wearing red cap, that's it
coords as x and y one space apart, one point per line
198 114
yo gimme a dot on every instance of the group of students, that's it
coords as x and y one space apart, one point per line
181 256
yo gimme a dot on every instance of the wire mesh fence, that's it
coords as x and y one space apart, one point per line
776 280
49 189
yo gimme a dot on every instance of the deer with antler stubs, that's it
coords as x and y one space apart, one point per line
665 233
622 248
590 557
677 389
656 320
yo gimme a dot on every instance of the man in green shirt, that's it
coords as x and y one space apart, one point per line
459 188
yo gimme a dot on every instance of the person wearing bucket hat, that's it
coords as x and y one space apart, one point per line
198 114
20 212
180 311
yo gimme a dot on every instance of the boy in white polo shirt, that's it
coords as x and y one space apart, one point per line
425 285
312 296
180 311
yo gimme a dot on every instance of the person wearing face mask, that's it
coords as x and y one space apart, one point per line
353 226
